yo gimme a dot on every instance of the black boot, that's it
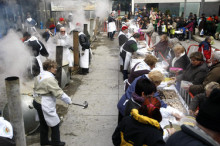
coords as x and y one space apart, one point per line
59 144
46 143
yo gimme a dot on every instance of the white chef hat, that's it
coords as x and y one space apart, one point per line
6 129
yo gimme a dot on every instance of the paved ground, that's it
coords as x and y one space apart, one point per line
101 88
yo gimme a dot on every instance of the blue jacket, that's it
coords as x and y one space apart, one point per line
128 94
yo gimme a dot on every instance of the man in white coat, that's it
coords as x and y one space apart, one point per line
46 91
63 39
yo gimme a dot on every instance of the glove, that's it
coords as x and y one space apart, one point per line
66 99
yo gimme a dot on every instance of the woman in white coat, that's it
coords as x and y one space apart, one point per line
46 91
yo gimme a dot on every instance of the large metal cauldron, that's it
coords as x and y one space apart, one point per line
29 114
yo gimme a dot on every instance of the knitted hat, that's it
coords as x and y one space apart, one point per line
52 26
61 19
124 27
209 113
5 129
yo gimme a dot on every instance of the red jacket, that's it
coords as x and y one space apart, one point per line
206 49
190 26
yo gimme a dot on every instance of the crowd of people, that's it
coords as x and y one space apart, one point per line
165 23
141 109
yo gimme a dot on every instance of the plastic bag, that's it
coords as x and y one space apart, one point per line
201 32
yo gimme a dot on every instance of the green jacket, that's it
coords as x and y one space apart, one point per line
218 28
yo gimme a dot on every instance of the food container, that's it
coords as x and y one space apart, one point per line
188 120
185 85
174 69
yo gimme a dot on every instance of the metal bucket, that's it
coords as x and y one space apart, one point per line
29 114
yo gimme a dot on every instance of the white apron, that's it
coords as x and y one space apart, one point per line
31 61
67 53
84 58
111 26
68 56
48 104
120 58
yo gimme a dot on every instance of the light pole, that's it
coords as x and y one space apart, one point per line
201 7
184 12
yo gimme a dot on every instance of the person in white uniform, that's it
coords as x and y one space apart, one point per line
63 39
46 91
6 133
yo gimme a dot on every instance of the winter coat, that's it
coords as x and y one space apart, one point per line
149 30
194 74
162 47
138 130
190 26
181 62
206 49
212 76
190 136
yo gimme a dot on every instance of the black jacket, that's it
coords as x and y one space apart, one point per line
37 47
84 42
122 39
190 136
182 62
196 75
134 103
131 131
197 101
111 19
